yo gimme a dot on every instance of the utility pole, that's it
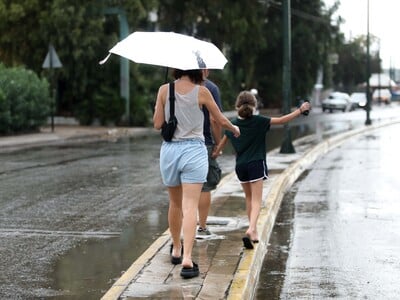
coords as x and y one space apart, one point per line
287 146
368 108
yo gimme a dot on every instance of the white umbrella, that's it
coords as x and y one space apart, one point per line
169 49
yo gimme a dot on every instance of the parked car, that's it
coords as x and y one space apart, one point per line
382 95
395 95
358 100
336 101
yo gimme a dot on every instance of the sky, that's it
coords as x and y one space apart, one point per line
383 23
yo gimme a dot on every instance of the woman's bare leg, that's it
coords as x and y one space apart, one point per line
190 201
175 218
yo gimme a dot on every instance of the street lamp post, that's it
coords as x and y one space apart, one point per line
287 146
368 94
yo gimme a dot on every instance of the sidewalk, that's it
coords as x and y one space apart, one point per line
228 271
69 134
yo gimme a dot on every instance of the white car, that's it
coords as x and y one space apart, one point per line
382 95
358 100
336 101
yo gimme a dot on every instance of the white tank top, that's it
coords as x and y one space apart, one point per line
189 115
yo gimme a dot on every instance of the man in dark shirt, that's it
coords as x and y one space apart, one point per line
212 135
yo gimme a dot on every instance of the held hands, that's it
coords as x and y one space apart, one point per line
215 154
236 133
218 149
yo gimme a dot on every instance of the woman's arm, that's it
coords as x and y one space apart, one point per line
205 98
217 150
286 118
158 116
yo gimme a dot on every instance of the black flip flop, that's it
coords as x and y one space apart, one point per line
175 260
188 272
247 242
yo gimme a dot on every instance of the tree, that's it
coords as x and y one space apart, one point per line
81 35
249 33
312 39
351 70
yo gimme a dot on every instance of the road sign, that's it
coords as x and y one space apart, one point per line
51 60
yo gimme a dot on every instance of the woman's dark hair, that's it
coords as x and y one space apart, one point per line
196 76
245 104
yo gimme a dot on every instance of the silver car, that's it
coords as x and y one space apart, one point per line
336 101
358 100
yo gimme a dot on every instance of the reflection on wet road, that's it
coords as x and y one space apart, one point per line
342 241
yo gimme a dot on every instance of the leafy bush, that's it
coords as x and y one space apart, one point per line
106 106
140 111
24 100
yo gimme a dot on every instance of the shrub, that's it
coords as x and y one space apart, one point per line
24 100
106 106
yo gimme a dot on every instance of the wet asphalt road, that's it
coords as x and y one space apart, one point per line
337 234
54 199
73 217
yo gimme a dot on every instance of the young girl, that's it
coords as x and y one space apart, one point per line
251 168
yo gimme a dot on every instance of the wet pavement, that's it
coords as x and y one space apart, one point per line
228 205
73 195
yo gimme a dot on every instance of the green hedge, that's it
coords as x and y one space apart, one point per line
24 100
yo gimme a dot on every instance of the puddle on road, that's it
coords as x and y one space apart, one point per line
90 269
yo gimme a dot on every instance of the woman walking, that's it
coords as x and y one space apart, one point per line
184 160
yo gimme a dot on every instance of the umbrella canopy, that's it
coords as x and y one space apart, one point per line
169 49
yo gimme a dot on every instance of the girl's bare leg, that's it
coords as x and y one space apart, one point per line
256 197
247 193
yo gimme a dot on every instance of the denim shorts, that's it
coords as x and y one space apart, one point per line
183 162
252 171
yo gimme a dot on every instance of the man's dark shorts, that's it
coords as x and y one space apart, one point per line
214 173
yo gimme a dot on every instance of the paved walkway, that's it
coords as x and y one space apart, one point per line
228 271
